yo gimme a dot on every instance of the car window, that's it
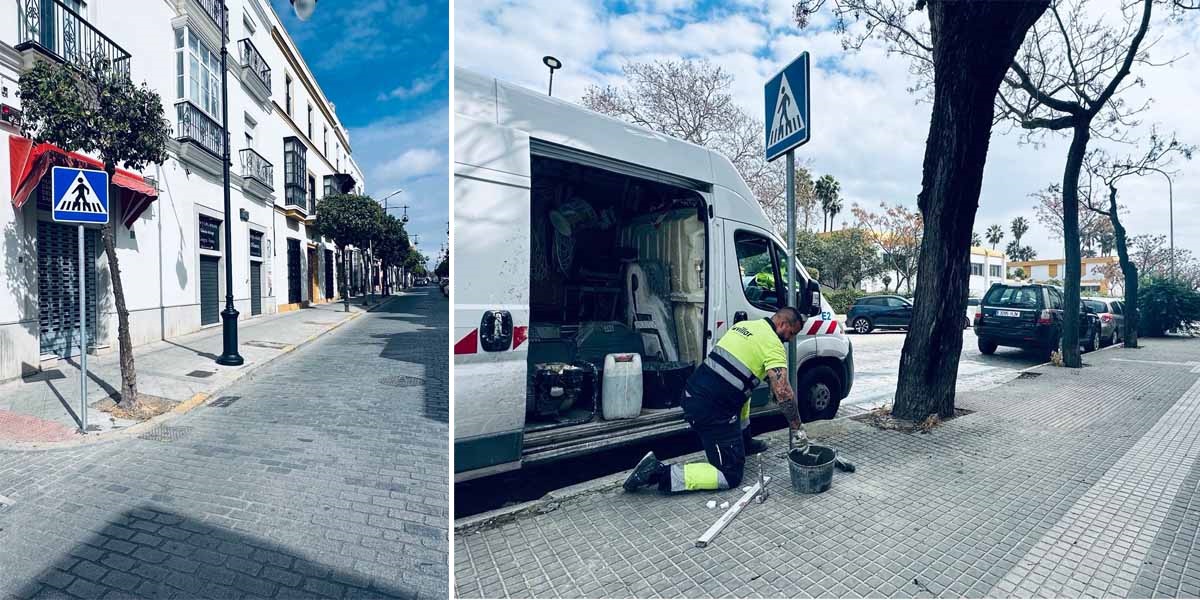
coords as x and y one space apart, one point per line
972 301
1013 297
757 264
1096 305
1118 308
1056 300
896 302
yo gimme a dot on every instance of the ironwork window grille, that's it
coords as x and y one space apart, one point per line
254 165
294 170
253 59
193 124
60 28
210 229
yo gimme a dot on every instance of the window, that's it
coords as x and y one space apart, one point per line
294 169
328 186
972 301
256 240
197 73
325 140
976 268
210 229
1013 296
287 87
1118 308
251 131
1096 305
758 267
310 121
312 193
1056 299
994 270
895 302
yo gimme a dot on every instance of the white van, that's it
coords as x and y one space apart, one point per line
578 236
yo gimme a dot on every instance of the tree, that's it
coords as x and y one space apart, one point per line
1017 252
392 246
349 220
415 263
826 191
443 267
961 59
995 234
96 108
1109 171
1093 227
1068 78
1019 227
896 232
844 258
975 239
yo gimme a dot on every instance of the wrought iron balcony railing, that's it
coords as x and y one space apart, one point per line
54 29
195 126
257 167
255 61
213 9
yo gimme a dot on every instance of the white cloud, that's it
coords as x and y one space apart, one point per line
868 130
412 164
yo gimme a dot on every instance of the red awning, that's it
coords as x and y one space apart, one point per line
29 162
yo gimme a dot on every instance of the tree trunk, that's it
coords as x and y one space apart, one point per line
129 395
1128 270
1071 250
973 45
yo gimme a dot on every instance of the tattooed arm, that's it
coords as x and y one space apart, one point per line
785 397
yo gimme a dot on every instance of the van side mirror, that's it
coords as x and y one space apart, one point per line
809 301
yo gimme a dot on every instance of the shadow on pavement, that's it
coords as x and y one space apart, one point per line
413 346
154 554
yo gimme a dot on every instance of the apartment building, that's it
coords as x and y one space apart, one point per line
1097 275
987 267
287 147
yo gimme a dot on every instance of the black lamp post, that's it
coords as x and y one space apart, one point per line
229 338
554 65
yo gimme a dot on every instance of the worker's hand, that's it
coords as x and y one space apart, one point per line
799 439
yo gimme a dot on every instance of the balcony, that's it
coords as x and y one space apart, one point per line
295 201
199 136
343 183
202 17
256 75
49 28
258 174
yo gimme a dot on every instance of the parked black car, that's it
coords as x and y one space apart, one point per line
1031 317
879 312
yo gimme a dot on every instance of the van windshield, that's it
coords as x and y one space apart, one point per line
1013 297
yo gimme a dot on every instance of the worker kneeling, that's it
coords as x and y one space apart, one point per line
716 403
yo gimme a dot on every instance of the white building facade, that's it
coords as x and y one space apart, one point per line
287 147
987 267
1098 275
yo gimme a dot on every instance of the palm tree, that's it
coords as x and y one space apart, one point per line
826 190
975 239
835 207
995 234
1020 226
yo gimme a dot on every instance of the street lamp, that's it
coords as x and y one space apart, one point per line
229 332
554 65
1170 208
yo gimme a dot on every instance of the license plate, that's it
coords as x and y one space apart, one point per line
1007 313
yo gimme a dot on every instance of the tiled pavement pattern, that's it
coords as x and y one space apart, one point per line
1044 464
322 478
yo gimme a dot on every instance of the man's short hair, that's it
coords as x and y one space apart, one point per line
789 315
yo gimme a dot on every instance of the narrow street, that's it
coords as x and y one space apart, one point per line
322 474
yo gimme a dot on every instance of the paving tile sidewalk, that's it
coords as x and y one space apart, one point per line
1062 483
44 407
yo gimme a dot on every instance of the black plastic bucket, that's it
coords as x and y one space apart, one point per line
812 471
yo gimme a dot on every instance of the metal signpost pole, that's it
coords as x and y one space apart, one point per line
229 316
83 339
790 267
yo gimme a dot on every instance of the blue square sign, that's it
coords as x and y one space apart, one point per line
787 103
79 195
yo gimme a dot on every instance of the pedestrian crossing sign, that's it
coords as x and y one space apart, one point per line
787 106
79 195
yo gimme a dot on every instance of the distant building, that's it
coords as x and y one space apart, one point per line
987 267
1093 278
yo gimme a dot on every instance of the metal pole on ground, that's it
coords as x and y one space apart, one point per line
83 369
789 269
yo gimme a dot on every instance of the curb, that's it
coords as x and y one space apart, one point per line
178 411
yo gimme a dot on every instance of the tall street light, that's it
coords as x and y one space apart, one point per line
554 65
1171 209
229 332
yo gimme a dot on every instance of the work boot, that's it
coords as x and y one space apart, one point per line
647 472
752 445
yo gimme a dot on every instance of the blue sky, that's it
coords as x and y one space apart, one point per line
384 64
869 132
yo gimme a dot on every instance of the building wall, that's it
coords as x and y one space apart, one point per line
159 256
1092 279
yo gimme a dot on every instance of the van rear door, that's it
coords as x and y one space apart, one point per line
491 295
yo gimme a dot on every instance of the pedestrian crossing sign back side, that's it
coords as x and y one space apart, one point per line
79 195
787 108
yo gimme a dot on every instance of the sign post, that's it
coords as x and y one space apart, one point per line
81 196
786 100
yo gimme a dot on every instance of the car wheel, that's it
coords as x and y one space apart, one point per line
820 393
966 323
987 346
862 325
1093 342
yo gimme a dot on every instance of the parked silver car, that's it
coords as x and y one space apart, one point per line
1112 318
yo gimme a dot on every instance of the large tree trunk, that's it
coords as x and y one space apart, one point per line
1128 270
129 395
973 45
1071 250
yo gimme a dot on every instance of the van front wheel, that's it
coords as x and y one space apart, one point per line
820 394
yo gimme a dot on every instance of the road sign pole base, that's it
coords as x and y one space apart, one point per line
229 355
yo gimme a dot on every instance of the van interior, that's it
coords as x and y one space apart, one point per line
617 265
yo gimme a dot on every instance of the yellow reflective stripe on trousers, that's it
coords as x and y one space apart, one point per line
744 417
701 476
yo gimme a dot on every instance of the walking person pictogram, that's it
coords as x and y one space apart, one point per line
81 192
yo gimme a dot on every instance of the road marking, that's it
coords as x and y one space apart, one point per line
1114 523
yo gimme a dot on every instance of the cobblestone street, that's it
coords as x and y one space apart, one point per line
323 474
1075 483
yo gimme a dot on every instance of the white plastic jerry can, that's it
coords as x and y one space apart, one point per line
621 393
